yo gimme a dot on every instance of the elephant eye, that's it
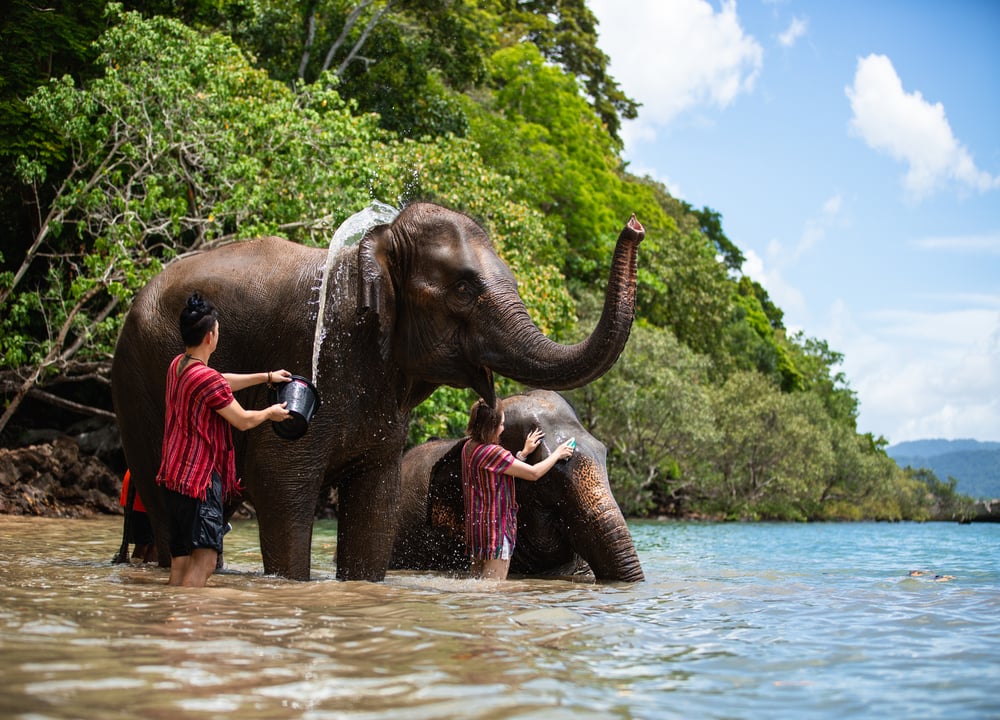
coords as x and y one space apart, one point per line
465 291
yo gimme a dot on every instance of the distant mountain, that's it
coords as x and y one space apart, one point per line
930 448
974 464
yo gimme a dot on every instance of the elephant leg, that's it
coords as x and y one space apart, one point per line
368 505
142 442
286 526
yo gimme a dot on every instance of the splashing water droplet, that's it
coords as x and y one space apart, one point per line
350 232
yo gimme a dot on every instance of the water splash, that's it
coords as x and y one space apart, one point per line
349 233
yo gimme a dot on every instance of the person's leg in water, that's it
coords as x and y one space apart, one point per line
493 568
200 567
207 536
178 568
192 570
142 537
181 513
195 535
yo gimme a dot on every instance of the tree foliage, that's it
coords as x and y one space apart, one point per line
654 412
190 123
182 143
565 31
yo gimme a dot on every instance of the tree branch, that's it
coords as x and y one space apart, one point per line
30 381
364 36
55 214
310 37
65 404
348 26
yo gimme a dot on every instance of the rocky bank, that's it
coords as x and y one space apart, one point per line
56 479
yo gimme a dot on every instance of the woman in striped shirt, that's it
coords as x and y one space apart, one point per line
198 469
488 473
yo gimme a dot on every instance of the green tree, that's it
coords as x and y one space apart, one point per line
772 452
710 223
818 366
537 126
653 411
39 41
181 143
566 33
860 482
681 284
946 503
752 343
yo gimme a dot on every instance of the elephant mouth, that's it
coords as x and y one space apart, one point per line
482 383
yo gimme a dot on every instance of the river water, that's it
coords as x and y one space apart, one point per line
734 621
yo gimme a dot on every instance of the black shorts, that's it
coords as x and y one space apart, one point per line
196 524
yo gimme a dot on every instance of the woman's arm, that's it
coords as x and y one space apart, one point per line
525 471
243 419
238 381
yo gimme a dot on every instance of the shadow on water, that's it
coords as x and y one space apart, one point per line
734 621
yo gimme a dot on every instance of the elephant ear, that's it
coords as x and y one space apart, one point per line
376 295
445 506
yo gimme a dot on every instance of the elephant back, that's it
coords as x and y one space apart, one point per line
431 534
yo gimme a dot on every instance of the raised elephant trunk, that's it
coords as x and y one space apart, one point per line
540 362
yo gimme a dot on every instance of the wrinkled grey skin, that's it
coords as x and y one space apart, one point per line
418 303
567 518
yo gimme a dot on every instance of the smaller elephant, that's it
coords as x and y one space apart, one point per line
566 521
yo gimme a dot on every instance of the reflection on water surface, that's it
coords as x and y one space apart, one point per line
733 621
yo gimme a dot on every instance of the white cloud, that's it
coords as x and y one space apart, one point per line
816 228
976 244
679 55
769 271
784 295
672 186
910 129
923 375
795 30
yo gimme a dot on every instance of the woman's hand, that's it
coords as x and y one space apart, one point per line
531 442
565 450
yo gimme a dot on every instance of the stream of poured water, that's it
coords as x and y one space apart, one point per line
349 233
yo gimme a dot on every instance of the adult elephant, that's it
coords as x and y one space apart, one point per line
419 302
567 516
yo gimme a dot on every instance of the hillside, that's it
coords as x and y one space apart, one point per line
930 448
974 464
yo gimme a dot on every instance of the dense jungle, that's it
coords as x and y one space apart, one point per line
134 133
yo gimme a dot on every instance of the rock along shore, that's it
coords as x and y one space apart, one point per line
56 479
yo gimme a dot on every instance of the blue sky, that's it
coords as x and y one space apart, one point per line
853 150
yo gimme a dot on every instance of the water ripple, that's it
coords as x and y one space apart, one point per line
777 621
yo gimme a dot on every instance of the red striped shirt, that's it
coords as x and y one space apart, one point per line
196 439
490 507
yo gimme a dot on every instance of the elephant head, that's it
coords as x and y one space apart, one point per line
568 515
458 316
571 510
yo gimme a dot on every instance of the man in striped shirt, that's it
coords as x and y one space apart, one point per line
198 469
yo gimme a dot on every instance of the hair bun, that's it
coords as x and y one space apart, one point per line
196 303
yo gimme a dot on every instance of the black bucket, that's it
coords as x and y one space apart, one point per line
303 401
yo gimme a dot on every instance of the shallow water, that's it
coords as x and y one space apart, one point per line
734 621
